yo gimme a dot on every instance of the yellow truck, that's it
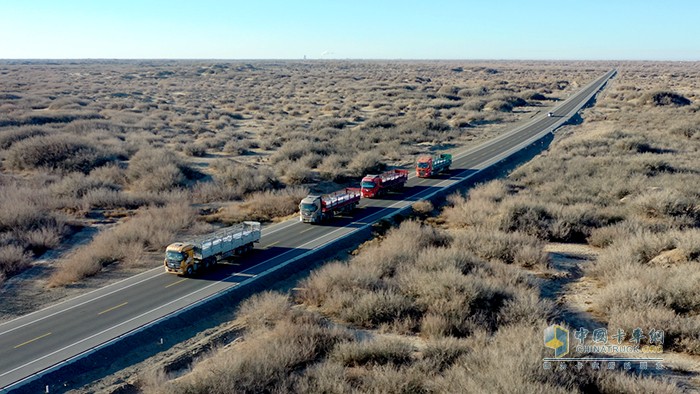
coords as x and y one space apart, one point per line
186 258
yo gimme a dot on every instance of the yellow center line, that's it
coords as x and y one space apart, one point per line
113 308
272 244
174 283
32 340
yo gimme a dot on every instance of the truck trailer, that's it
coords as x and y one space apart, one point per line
186 258
427 166
377 185
316 208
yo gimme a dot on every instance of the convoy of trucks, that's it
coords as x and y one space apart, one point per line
428 166
316 208
377 185
186 258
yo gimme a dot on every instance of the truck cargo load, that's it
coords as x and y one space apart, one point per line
186 258
316 208
377 185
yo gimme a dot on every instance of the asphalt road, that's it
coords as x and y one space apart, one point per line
40 341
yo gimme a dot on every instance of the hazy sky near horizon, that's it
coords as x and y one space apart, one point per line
408 29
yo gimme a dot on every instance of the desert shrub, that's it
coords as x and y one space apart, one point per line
372 352
266 205
442 353
109 198
528 218
241 178
295 149
657 203
264 309
195 150
236 147
510 248
499 106
365 163
605 236
207 192
382 122
392 379
478 208
373 308
575 223
264 361
323 378
77 185
664 98
42 239
327 282
333 168
155 170
42 118
13 259
401 246
12 135
295 173
110 174
422 207
630 253
474 104
57 152
151 229
690 130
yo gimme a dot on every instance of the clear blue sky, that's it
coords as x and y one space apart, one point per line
290 29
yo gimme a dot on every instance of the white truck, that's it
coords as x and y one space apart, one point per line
316 208
186 258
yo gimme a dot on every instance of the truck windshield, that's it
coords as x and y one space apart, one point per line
423 165
308 207
174 256
367 185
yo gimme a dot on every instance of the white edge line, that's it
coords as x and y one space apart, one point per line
78 297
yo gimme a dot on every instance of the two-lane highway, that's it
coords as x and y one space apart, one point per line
41 341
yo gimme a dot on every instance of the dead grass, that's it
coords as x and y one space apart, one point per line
265 205
419 280
149 230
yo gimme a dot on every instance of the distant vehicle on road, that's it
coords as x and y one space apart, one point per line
550 114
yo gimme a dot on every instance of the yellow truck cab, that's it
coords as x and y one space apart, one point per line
186 258
179 257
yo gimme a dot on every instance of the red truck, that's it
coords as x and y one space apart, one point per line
316 208
376 185
428 166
